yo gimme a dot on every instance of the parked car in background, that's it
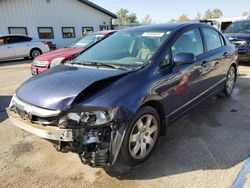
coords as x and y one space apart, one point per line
51 59
239 34
19 46
113 101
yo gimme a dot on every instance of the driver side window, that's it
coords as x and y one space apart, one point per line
188 42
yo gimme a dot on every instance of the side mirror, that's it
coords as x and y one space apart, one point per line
184 58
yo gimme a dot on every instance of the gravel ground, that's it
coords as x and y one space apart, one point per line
206 148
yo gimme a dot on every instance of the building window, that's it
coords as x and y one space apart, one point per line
86 30
68 32
45 32
18 30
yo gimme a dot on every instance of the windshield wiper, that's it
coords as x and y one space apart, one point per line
98 64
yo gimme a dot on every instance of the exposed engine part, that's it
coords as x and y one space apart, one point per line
92 145
96 144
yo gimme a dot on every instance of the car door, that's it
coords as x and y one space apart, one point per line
181 88
6 50
21 45
216 58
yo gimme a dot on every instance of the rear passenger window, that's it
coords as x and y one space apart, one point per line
188 42
24 39
212 39
16 39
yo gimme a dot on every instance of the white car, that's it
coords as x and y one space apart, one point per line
19 46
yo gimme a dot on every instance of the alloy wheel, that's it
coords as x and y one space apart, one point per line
35 53
230 80
143 136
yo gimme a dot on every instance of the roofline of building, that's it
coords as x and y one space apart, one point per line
97 7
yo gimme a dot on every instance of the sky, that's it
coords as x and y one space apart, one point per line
164 10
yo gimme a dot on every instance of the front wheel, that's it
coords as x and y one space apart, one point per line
141 137
230 81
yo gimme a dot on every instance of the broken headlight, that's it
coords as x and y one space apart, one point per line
93 118
56 61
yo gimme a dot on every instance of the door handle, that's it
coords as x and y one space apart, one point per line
226 55
203 63
9 47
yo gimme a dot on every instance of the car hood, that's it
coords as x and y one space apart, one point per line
57 88
237 36
64 52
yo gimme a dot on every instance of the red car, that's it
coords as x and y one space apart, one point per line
51 59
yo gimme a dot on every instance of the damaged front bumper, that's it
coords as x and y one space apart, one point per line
96 146
47 132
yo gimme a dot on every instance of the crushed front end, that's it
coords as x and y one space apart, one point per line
96 146
95 135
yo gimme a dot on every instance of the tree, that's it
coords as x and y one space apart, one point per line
182 18
215 13
147 20
172 20
132 18
124 17
208 14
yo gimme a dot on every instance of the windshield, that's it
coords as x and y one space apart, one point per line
129 49
239 27
87 41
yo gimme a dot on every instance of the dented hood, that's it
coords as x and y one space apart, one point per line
58 87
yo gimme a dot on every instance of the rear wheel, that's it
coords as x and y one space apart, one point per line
34 53
230 80
141 137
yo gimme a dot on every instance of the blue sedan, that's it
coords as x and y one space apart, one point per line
239 34
113 101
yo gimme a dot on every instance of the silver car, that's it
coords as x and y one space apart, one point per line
19 46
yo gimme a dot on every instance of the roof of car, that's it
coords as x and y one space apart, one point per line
13 35
167 26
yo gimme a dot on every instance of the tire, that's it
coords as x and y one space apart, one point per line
35 52
230 81
138 136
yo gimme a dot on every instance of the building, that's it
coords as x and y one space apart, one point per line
59 22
